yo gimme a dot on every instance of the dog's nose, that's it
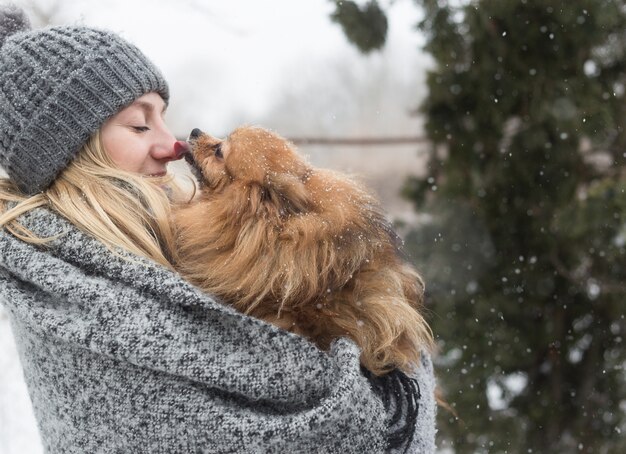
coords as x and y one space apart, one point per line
195 133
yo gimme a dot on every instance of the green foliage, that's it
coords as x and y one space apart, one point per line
525 251
365 27
526 96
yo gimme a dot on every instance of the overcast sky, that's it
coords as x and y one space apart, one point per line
227 61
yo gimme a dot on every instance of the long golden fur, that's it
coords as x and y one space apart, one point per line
303 248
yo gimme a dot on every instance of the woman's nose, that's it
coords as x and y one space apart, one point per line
166 150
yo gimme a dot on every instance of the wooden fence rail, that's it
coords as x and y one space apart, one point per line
355 141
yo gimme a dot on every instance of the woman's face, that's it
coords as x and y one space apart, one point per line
137 139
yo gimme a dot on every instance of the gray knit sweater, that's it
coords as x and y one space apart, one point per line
125 356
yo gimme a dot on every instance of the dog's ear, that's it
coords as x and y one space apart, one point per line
288 192
279 196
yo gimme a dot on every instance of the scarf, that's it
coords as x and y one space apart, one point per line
122 355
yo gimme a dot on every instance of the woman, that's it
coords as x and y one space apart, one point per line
119 353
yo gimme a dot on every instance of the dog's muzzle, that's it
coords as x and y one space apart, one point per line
195 168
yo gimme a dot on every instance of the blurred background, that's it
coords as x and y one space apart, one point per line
493 133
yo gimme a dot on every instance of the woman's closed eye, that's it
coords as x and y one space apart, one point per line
140 128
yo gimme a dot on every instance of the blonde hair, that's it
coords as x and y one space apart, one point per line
121 209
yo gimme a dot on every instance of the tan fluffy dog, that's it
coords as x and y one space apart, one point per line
303 248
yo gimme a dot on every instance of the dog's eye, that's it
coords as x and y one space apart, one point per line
217 149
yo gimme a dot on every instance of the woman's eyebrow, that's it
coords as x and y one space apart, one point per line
148 107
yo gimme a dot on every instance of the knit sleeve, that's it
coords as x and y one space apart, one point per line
174 329
124 356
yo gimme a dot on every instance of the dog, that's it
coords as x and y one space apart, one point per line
303 248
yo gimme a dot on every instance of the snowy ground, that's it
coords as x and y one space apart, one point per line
18 430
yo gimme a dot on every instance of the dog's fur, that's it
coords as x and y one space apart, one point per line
303 248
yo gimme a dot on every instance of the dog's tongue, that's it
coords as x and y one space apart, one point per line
181 148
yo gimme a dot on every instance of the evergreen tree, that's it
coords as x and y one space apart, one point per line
525 254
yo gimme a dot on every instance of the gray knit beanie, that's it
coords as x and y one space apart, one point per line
57 86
